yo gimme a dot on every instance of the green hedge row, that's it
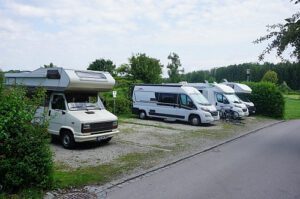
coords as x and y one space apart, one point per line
267 99
25 156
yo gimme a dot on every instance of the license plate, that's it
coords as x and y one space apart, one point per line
102 138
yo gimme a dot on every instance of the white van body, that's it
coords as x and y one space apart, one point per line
173 102
72 106
222 96
242 91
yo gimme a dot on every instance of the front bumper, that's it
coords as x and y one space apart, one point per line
80 137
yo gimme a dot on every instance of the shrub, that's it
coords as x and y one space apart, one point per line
270 76
267 98
25 156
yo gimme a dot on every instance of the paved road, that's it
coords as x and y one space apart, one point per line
265 164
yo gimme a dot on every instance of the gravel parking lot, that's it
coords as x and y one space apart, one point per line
142 136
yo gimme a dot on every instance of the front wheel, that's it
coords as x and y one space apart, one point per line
67 140
142 115
195 120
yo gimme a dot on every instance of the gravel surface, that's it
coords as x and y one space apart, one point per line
145 135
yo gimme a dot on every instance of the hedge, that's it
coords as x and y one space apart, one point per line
25 156
267 98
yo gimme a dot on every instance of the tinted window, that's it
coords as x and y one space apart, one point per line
167 98
58 102
186 101
219 97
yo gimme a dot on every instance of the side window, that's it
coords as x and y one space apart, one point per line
58 102
219 97
186 101
167 99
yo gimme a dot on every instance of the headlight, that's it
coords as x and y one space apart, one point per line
237 106
86 127
115 124
204 109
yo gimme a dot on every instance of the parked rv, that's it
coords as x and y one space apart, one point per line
243 92
223 97
172 102
72 107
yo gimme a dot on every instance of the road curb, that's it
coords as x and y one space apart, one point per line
120 183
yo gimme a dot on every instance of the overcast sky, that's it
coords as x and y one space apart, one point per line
72 34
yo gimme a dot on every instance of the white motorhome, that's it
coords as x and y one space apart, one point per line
72 106
243 92
172 102
223 97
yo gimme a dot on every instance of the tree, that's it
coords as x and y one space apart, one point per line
123 70
103 65
51 65
144 68
283 35
1 79
270 76
174 68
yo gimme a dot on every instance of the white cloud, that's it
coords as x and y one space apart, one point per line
73 33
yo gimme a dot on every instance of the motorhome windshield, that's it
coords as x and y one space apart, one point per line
199 98
233 98
244 96
83 101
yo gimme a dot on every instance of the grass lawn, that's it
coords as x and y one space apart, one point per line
292 107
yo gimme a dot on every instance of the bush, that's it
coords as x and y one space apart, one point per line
123 105
270 76
267 98
25 156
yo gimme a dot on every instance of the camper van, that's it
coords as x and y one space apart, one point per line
172 102
223 97
243 92
72 107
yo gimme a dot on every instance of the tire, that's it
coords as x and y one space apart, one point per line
106 140
142 115
195 120
67 140
235 115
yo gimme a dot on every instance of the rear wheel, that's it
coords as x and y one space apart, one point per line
142 115
67 140
195 120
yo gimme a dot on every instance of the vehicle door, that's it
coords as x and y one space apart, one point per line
56 113
166 106
221 101
185 106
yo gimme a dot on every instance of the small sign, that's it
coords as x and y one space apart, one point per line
114 94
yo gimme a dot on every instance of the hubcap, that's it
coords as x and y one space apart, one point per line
66 140
195 121
142 115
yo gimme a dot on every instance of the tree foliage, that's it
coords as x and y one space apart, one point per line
51 65
103 65
289 72
144 68
174 68
25 156
1 79
270 76
283 35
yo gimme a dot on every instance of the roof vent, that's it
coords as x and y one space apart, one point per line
53 74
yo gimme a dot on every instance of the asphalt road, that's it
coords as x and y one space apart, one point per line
265 164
